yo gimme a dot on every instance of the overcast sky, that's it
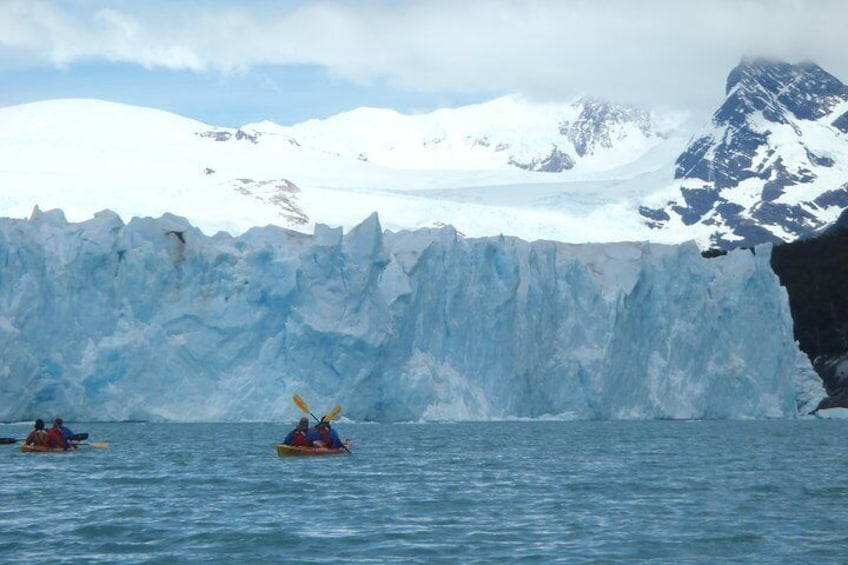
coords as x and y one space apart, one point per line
228 62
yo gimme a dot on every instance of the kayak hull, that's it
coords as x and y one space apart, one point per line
44 449
284 450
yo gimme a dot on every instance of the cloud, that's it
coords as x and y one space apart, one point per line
674 52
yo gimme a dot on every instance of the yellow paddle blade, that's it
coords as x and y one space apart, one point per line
100 444
333 414
301 404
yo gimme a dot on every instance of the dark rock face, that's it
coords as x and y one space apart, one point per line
554 162
721 163
834 372
841 123
251 138
741 146
837 197
815 274
698 202
600 125
804 90
224 135
658 216
596 125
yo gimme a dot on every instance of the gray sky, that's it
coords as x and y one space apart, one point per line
227 62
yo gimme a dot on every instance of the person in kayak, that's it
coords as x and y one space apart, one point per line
67 433
302 435
38 436
329 437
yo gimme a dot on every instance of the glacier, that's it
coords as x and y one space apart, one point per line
154 320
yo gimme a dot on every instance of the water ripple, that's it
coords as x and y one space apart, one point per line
556 492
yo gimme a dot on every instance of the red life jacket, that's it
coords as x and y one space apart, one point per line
55 438
299 439
37 437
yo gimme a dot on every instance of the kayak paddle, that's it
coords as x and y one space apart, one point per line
332 414
98 444
75 437
304 406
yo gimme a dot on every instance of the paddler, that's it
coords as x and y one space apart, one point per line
302 435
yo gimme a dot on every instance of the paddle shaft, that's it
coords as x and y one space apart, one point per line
11 440
301 403
98 444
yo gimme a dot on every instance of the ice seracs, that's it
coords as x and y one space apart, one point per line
152 319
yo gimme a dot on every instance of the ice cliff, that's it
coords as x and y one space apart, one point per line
152 319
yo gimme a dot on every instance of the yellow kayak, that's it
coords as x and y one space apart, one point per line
285 450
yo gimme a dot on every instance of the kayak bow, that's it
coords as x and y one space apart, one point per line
284 450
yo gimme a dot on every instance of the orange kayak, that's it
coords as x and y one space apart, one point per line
284 450
43 449
76 447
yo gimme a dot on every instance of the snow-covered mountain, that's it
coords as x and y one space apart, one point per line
473 167
773 163
505 133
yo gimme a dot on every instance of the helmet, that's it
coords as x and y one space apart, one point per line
303 423
39 424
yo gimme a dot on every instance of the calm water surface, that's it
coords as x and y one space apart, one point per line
510 492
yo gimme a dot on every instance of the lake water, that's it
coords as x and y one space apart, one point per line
506 492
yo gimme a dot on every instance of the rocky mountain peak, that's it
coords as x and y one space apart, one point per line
767 166
805 91
600 122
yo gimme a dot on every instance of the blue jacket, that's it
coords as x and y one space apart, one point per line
312 435
334 441
67 433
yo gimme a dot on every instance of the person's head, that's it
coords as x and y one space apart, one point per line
39 424
57 422
303 423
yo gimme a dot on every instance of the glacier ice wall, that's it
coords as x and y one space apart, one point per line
154 320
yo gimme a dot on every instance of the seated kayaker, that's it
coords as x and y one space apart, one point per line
55 438
67 433
37 436
302 435
329 437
